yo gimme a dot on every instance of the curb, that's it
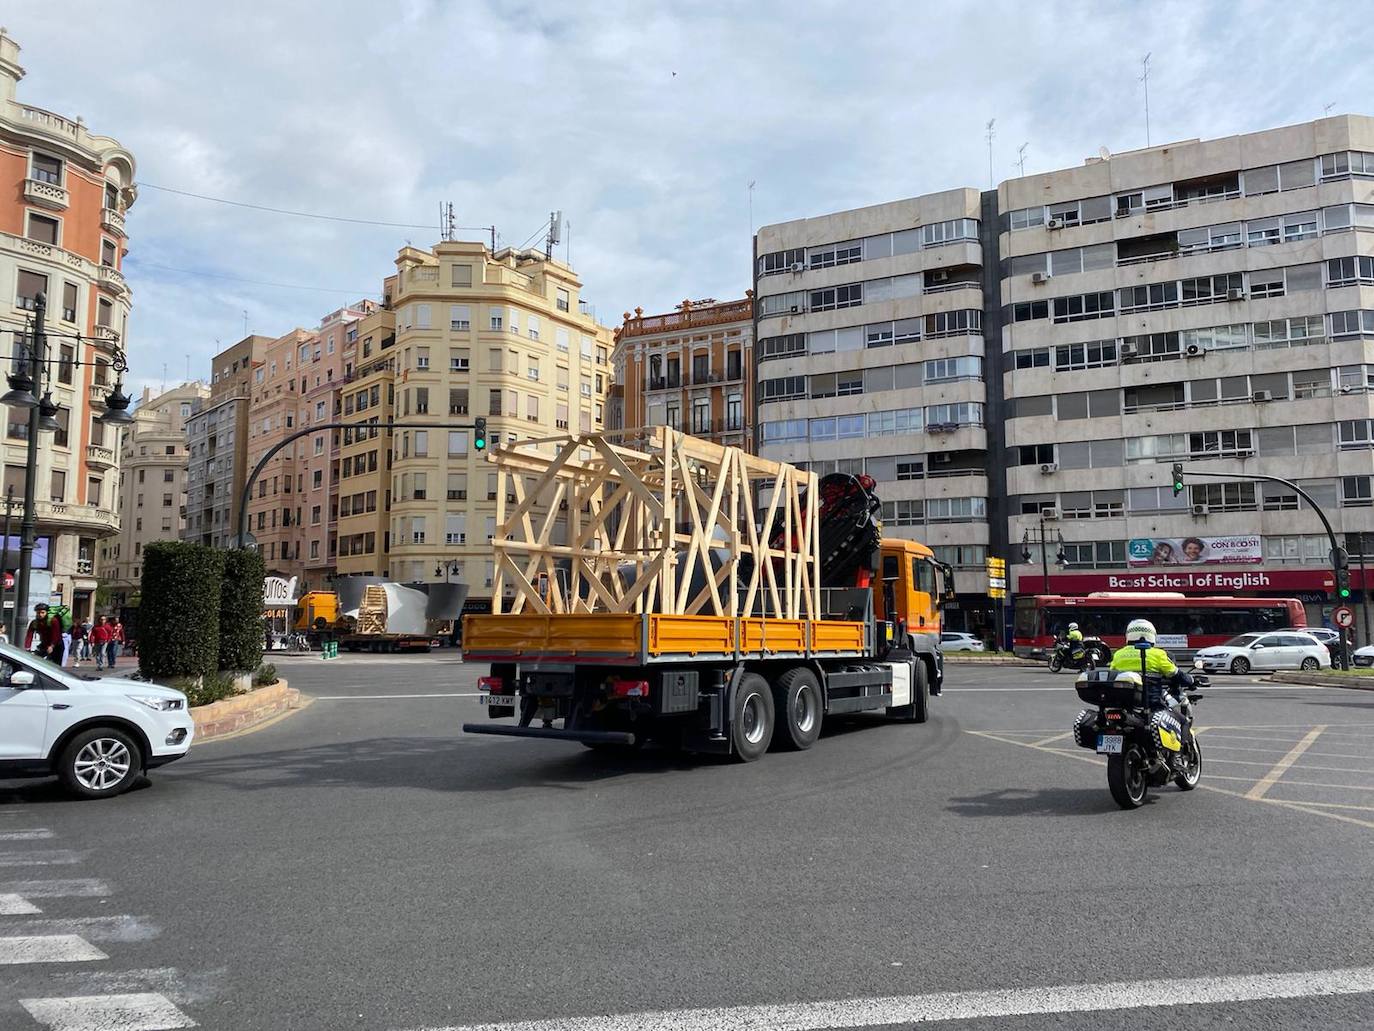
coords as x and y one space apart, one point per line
1318 680
244 712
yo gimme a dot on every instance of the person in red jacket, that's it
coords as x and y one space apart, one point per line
101 637
44 635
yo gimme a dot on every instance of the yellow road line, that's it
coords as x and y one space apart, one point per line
1296 766
1294 754
1324 755
1326 805
1299 784
1056 737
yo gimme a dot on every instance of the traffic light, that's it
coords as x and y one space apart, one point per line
1340 562
479 435
1178 478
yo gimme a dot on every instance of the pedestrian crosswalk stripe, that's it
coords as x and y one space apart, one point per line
26 834
139 1011
16 905
121 928
50 857
74 887
47 948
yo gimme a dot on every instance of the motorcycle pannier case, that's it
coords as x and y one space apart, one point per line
1110 689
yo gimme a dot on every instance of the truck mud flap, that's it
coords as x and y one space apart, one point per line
590 737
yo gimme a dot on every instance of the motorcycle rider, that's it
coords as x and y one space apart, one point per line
1162 677
1074 637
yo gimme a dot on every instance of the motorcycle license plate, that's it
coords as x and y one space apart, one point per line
1109 744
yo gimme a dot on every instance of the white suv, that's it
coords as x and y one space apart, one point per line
98 736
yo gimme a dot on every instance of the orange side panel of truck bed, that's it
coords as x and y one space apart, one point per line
600 635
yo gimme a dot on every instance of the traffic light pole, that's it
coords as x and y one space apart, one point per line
479 427
1340 561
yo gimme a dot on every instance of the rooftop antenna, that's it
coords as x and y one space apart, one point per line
1326 110
991 178
448 226
1021 157
567 246
164 377
751 207
245 322
1145 78
188 368
555 233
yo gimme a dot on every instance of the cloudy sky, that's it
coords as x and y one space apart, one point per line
643 121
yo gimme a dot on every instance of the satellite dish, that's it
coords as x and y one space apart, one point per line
1104 153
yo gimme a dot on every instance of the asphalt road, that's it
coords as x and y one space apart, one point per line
363 865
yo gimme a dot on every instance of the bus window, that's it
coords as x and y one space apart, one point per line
1027 618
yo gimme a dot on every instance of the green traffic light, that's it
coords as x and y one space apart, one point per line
479 435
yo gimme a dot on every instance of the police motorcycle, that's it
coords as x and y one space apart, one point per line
1143 729
1086 654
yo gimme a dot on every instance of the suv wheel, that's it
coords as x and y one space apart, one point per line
100 763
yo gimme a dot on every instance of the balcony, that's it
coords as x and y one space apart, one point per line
98 393
113 220
98 457
106 335
46 195
112 279
81 517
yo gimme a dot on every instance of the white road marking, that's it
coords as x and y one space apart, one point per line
374 697
98 928
29 834
1295 753
16 905
52 857
1012 1002
47 948
80 887
140 1011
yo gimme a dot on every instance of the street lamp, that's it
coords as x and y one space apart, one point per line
447 569
31 367
1061 558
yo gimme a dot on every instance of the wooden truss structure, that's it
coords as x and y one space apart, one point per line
673 525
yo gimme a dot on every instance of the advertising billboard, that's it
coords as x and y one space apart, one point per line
1195 551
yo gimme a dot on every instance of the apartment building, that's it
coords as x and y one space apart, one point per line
364 523
66 192
274 510
870 359
1204 302
504 335
217 446
152 485
691 369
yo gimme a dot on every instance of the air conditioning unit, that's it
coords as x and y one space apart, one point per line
1199 510
1049 467
1040 277
939 276
941 458
1193 351
1123 212
1049 513
795 309
798 266
1126 352
1263 395
1054 223
1235 294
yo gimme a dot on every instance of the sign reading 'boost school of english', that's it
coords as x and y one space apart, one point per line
1195 551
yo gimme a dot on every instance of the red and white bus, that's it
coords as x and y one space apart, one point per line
1184 623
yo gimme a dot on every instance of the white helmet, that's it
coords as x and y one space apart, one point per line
1140 630
1073 626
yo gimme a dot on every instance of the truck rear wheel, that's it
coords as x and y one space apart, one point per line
751 718
797 705
918 711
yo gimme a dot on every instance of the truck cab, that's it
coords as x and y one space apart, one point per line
912 584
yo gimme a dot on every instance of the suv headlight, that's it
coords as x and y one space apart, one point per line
159 703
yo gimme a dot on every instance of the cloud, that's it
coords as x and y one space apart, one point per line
643 121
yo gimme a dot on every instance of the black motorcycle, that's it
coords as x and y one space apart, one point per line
1146 745
1089 654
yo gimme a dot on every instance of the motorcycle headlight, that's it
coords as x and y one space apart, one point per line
159 703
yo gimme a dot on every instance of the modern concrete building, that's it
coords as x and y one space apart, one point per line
692 369
217 446
1203 302
870 355
152 485
503 335
66 192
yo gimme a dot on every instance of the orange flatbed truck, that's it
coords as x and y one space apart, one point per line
719 620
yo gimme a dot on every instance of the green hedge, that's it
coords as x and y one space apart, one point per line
178 620
240 611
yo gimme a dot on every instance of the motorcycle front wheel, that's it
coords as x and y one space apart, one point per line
1126 777
1192 773
1056 664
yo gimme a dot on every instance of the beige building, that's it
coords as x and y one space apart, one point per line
691 369
502 335
66 192
217 446
152 485
364 479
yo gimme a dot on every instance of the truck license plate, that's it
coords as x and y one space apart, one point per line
1109 744
486 698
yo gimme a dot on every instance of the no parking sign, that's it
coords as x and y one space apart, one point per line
1343 616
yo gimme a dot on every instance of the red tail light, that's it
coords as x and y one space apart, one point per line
628 688
492 684
1113 715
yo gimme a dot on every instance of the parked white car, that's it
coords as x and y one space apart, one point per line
97 736
1363 657
1325 635
1291 650
957 641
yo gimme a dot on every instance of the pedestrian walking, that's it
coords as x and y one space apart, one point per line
116 641
85 652
44 635
78 642
100 641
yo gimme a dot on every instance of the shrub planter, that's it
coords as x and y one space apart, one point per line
243 710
